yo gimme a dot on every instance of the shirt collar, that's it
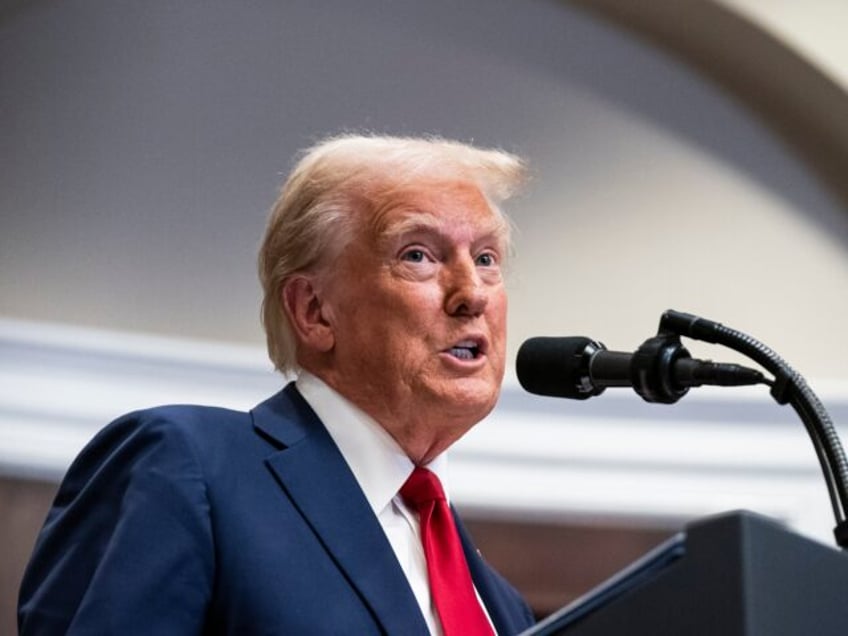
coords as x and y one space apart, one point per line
377 461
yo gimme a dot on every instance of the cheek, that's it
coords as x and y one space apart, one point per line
417 307
497 316
403 323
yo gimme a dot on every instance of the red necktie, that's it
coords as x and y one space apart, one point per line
450 581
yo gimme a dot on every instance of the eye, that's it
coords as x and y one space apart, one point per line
413 255
486 259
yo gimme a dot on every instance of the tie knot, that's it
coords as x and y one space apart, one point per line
422 487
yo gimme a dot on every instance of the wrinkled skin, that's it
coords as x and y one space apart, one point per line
409 322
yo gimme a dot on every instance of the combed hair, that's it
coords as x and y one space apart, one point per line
312 218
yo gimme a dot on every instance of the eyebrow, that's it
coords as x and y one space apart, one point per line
414 221
418 221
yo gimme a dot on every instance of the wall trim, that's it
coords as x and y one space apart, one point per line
611 459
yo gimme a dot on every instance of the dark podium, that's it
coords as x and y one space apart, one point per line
735 574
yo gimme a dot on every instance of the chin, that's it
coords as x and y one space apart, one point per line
474 399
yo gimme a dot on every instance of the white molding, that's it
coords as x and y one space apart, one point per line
610 458
60 384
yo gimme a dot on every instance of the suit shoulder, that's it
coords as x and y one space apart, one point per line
188 416
179 419
188 431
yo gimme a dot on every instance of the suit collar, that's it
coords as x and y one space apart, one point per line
314 475
285 418
377 461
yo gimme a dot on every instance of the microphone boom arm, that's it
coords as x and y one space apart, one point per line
788 387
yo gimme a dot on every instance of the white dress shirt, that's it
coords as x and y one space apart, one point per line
381 468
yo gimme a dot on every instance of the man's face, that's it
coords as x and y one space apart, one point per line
417 306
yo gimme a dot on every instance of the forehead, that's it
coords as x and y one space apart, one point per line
440 207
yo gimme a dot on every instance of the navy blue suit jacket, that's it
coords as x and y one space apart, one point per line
196 520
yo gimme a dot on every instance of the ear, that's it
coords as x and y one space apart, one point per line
305 311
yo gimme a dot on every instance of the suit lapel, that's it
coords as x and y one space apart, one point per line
316 478
487 585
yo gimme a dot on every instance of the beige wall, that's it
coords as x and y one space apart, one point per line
143 146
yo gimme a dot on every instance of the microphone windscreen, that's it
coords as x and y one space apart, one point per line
553 366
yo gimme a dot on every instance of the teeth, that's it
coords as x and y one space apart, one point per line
465 349
462 354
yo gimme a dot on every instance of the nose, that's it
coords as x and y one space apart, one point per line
465 293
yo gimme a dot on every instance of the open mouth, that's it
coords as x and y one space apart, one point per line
466 350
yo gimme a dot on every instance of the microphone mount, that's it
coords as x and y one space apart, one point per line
653 369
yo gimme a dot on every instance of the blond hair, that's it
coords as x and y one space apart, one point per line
312 218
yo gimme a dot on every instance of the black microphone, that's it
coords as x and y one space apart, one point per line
660 371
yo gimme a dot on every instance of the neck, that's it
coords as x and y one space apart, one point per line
421 434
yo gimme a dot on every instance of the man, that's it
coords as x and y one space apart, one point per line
382 274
